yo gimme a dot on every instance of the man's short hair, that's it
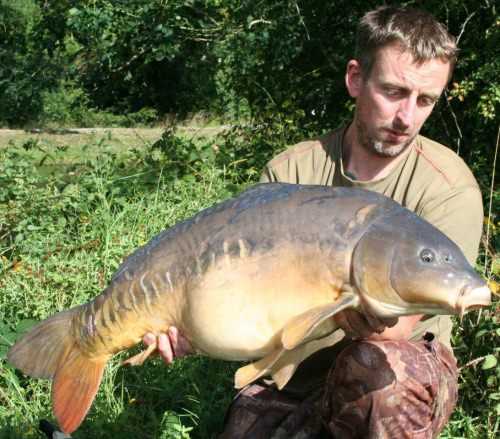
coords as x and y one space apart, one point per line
410 28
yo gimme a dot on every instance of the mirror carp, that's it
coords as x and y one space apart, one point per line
256 277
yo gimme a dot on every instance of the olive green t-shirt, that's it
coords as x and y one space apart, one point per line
431 181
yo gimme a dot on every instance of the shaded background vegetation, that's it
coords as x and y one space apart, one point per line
272 73
273 70
275 62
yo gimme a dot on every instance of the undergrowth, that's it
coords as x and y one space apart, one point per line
63 233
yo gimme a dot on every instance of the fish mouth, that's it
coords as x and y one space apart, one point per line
472 299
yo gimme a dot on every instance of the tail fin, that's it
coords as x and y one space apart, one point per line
38 352
74 387
48 351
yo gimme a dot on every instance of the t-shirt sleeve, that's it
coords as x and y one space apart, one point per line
287 171
459 214
269 175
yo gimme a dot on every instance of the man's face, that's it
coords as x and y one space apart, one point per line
396 99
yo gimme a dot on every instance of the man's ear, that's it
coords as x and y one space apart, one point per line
353 78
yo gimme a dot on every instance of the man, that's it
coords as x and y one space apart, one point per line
392 382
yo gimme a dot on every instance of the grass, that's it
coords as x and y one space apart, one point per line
77 143
64 233
71 209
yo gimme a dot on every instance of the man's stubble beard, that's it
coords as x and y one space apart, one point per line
378 147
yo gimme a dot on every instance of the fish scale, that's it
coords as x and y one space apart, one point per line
258 277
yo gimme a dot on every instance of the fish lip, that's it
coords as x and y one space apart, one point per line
472 299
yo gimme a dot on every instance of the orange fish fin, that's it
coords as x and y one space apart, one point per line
74 388
39 352
301 328
246 374
141 357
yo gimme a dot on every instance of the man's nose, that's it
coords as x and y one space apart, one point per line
406 112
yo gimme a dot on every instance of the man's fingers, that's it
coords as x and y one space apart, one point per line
180 344
185 346
352 325
165 349
171 345
149 338
173 336
355 325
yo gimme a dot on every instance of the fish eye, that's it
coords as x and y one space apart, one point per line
426 255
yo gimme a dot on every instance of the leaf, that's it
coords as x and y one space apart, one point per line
159 56
24 325
490 361
8 338
493 286
481 333
61 222
495 266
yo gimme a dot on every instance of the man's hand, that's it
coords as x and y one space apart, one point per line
357 326
174 345
171 345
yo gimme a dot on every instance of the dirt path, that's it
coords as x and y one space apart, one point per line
79 137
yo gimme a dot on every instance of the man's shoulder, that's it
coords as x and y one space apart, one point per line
444 163
306 150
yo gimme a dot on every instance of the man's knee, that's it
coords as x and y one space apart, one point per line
390 388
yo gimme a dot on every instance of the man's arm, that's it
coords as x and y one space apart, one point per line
364 326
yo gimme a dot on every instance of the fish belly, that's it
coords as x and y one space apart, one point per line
238 310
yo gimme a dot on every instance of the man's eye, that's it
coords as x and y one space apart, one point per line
392 92
426 102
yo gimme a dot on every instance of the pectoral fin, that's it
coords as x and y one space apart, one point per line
299 328
249 373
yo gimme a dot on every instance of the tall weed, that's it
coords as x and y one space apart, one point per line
63 236
65 228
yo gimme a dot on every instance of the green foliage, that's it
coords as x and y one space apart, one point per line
65 228
476 344
144 53
68 105
274 73
277 65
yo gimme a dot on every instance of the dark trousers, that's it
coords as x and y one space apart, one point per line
375 389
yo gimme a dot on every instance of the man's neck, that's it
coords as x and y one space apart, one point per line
361 164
